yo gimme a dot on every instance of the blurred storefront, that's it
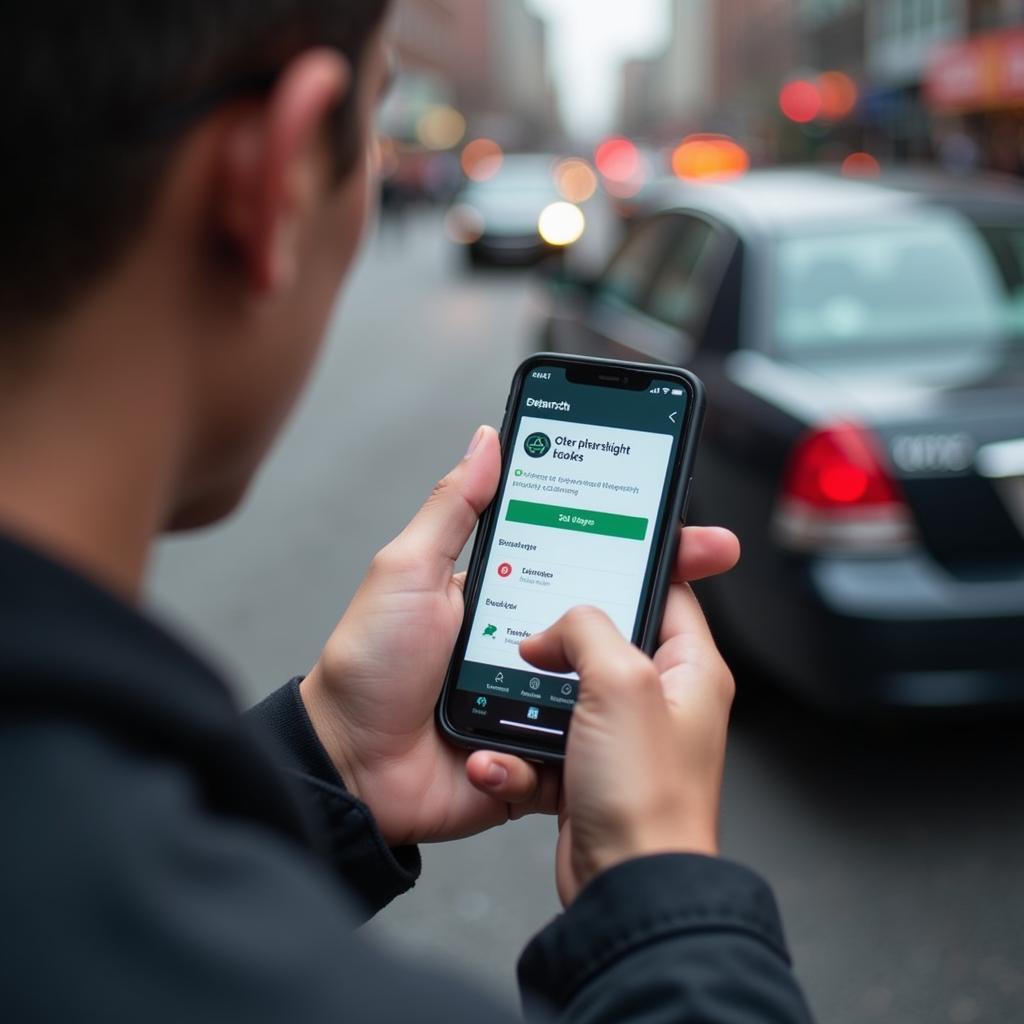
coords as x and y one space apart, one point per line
975 94
900 38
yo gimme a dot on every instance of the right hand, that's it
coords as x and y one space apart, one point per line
646 748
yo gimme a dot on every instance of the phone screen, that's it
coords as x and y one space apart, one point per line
580 513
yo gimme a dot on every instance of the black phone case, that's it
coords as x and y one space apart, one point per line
668 543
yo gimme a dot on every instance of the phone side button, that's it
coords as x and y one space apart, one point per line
686 500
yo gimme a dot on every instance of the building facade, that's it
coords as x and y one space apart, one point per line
755 47
831 35
901 38
668 95
486 58
422 33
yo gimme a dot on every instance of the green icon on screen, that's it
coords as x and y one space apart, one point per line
490 630
537 445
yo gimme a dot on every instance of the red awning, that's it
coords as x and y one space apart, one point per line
982 73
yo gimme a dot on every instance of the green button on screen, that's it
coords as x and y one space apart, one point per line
582 520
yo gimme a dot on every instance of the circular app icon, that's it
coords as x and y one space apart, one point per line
504 570
537 445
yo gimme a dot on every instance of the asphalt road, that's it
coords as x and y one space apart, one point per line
896 851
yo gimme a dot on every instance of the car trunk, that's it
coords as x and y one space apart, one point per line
947 421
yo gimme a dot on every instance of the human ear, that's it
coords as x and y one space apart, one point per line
273 168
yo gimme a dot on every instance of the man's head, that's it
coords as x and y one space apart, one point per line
201 162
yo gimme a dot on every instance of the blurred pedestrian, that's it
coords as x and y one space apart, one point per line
185 185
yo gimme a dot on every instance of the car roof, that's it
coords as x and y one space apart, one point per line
784 201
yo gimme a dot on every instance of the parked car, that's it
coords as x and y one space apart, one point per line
516 216
863 347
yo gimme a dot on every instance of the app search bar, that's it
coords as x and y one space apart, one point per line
580 520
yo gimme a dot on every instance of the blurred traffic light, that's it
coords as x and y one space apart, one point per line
800 101
832 96
617 159
839 95
710 158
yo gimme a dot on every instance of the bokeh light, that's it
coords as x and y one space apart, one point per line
710 158
561 224
481 159
441 128
464 224
861 165
617 159
839 95
575 180
800 101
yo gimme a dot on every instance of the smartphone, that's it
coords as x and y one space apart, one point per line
597 468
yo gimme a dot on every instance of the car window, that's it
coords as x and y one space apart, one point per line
677 297
915 283
628 276
1006 243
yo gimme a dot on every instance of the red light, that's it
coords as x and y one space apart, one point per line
839 95
843 484
861 165
617 159
800 101
840 467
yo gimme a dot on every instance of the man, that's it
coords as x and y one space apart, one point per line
185 185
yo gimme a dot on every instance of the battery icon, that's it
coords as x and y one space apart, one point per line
677 392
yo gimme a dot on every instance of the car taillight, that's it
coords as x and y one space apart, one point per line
838 494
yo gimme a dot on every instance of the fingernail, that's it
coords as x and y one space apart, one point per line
497 775
475 443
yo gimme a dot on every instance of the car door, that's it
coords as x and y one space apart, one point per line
683 291
653 300
603 323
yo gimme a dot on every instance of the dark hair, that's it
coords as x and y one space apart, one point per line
95 95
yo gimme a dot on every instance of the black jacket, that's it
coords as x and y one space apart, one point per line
159 865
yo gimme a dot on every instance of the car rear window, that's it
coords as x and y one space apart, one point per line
926 281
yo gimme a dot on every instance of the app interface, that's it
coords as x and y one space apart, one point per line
577 521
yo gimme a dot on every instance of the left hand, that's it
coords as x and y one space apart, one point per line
372 694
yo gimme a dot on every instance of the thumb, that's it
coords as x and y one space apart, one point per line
436 536
612 671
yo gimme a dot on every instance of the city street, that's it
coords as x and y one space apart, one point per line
896 851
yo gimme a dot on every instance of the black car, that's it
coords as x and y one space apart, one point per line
863 347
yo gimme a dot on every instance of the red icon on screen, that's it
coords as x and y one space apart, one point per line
504 570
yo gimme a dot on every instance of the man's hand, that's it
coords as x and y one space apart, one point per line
371 696
643 770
